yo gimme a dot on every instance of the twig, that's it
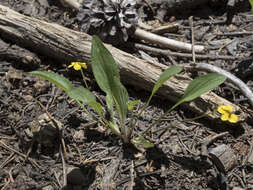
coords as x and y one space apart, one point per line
140 175
8 160
2 144
236 81
10 175
234 33
153 38
165 29
6 184
131 183
165 42
59 129
57 179
166 52
192 36
63 168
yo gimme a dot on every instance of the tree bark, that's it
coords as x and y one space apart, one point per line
21 56
66 45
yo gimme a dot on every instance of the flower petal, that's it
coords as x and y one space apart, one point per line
77 67
83 65
225 117
71 65
233 118
225 109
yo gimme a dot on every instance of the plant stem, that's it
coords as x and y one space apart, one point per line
131 127
174 123
139 114
103 122
88 113
160 118
84 80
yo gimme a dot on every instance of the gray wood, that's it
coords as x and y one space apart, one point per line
16 54
66 45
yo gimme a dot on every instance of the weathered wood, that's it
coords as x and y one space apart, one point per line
223 157
21 56
66 45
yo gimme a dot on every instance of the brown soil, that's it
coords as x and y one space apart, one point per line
32 155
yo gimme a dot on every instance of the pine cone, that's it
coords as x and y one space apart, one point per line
112 20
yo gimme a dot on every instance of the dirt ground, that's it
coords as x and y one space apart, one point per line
84 155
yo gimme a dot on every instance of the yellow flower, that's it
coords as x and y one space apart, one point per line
227 114
78 65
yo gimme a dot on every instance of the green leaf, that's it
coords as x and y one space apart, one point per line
58 80
201 85
131 104
141 142
114 127
103 65
109 103
97 107
251 4
120 96
107 76
164 77
81 94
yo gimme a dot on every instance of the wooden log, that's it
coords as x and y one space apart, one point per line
66 45
18 55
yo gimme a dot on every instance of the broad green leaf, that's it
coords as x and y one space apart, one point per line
58 80
107 76
164 77
201 85
97 107
120 96
114 127
109 103
131 104
81 94
103 65
141 142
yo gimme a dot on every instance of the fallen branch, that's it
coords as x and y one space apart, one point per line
166 52
166 42
66 45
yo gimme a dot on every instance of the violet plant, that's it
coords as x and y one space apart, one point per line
107 76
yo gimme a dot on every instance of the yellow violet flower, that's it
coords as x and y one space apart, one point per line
78 65
227 114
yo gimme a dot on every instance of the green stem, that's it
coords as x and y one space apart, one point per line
185 120
84 80
141 111
88 113
160 118
103 122
131 127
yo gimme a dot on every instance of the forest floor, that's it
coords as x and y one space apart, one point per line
32 155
